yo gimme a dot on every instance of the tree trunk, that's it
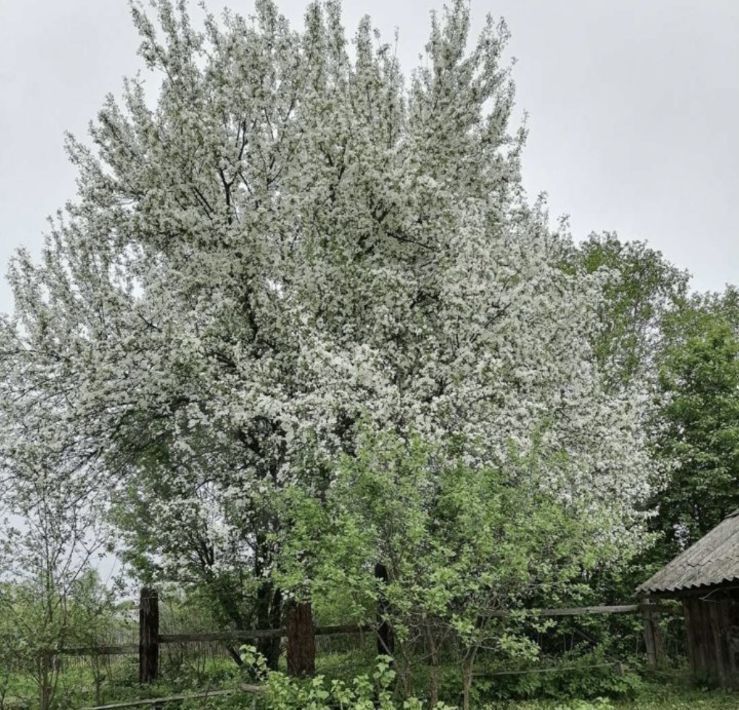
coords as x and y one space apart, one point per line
45 680
467 677
233 653
269 616
385 636
301 640
433 648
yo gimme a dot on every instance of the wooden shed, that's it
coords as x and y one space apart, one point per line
705 577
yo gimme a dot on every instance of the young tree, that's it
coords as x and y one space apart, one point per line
48 537
291 240
462 545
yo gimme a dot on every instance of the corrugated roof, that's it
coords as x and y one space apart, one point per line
714 559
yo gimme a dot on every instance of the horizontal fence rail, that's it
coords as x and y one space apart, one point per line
252 634
571 611
243 688
113 650
336 630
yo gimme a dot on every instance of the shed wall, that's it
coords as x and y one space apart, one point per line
712 626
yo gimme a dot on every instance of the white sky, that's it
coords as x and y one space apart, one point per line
634 110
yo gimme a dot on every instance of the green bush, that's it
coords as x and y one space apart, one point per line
363 692
586 676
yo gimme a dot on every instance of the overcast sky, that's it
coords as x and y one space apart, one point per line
634 110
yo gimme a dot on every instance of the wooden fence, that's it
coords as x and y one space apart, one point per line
151 640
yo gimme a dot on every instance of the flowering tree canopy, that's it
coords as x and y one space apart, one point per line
291 240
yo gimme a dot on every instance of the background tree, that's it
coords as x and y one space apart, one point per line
699 381
642 287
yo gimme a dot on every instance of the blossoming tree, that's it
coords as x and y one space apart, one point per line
290 239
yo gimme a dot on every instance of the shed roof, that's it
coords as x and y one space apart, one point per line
712 560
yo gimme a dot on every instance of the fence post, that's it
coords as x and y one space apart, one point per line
148 635
301 639
652 634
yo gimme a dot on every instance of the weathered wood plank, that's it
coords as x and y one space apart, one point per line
246 635
690 636
252 634
112 650
652 633
574 611
721 653
616 665
244 688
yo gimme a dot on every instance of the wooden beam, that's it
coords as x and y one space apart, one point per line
243 688
652 633
252 634
301 639
119 650
616 665
248 635
572 611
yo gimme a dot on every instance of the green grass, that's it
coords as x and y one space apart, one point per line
654 696
664 692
